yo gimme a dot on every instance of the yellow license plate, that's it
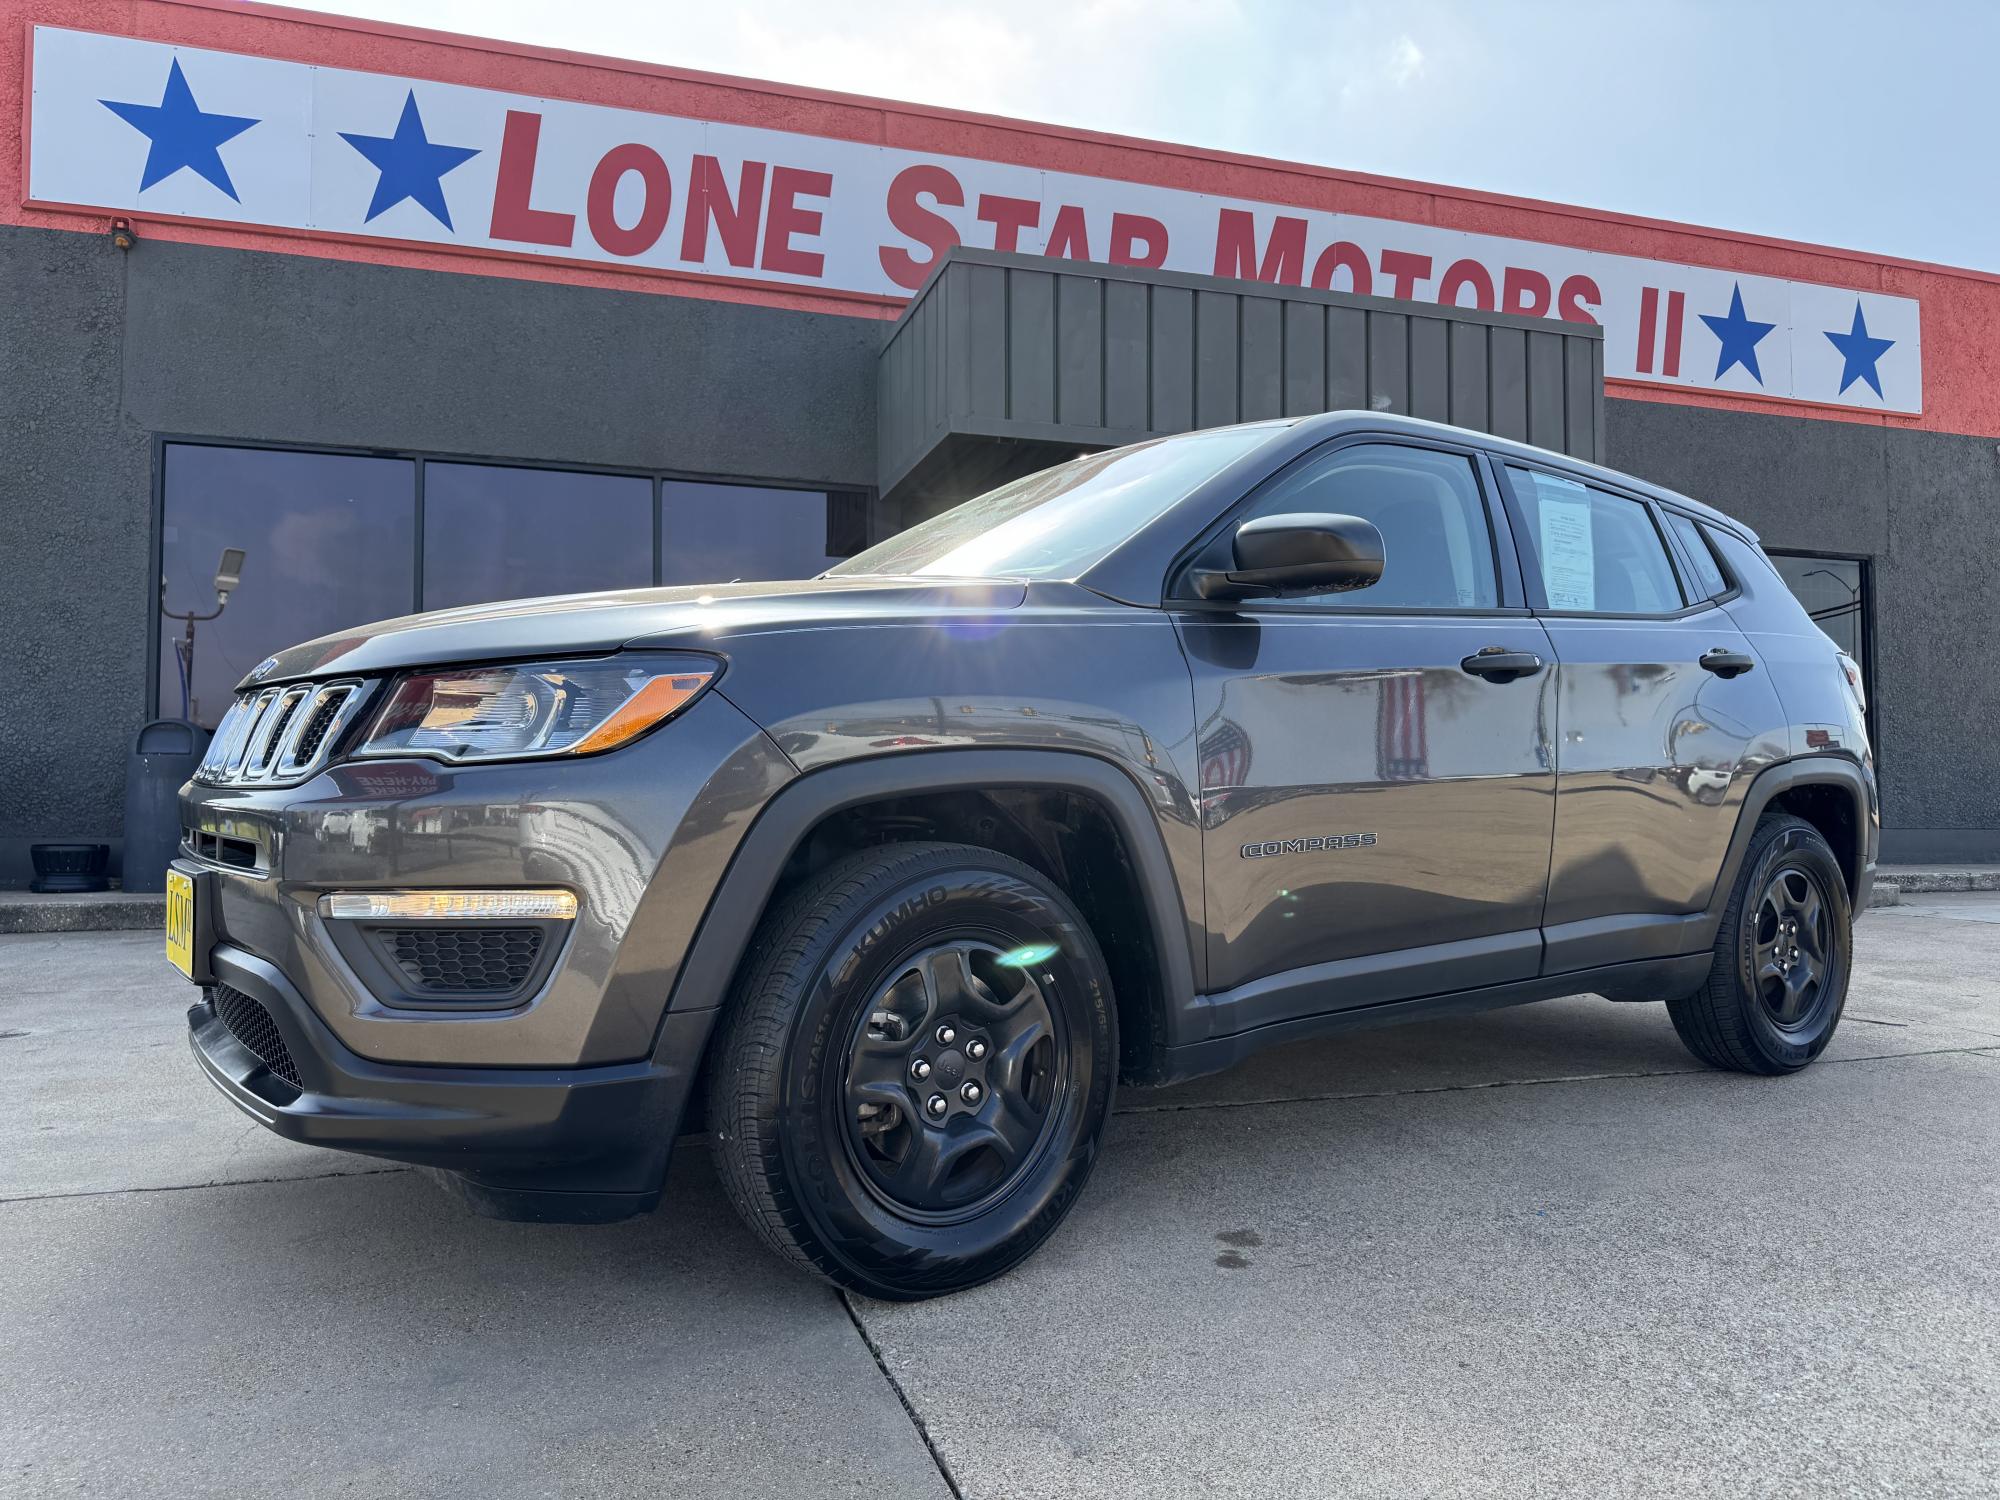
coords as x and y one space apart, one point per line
180 921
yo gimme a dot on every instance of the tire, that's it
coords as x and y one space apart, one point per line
825 1141
1760 1010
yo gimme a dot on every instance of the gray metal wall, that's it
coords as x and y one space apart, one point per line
1023 349
101 351
1925 507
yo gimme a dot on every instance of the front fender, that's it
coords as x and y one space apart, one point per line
746 888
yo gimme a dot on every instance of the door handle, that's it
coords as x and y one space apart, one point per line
1501 665
1727 663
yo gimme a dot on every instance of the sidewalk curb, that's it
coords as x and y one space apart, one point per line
1914 880
102 911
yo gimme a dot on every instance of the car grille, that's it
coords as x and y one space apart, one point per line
252 1025
465 960
278 735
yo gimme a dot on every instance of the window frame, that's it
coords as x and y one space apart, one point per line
1732 586
1865 566
1507 577
419 457
1531 572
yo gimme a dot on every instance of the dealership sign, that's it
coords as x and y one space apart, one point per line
123 125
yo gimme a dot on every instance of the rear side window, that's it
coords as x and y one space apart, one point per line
1598 553
1708 580
1745 560
1437 549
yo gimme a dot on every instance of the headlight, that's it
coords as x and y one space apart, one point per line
535 709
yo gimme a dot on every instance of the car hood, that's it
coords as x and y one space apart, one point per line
696 617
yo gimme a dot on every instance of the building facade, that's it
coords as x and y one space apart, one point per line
413 321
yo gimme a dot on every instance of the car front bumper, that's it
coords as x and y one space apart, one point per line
572 1144
558 1099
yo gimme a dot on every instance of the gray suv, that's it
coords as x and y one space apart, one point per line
1120 772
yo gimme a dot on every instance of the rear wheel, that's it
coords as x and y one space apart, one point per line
915 1070
1782 954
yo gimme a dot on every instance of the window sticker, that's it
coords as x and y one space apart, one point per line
1569 571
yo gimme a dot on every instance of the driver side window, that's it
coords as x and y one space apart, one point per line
1437 549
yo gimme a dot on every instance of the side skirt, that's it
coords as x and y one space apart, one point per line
1654 977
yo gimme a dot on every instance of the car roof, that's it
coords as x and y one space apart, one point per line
1332 423
1134 569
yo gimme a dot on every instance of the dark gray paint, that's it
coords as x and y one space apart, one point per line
1292 706
1050 357
1923 506
1293 858
409 823
75 482
320 351
204 342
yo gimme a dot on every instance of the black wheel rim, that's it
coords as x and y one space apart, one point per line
1793 952
954 1077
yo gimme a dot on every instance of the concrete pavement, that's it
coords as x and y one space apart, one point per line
1539 1251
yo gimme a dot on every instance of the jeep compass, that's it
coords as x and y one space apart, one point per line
1122 771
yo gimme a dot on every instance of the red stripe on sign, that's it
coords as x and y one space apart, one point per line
1649 311
1676 304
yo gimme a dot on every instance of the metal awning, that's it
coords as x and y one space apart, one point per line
1003 364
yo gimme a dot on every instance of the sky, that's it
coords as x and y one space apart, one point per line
1864 126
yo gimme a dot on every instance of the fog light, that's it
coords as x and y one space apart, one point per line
449 906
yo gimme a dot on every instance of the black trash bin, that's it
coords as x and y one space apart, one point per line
163 756
69 869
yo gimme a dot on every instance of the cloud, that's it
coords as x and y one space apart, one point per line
974 60
1391 66
1136 66
1406 62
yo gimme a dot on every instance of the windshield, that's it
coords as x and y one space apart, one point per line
1057 523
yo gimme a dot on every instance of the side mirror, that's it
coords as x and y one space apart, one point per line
1276 556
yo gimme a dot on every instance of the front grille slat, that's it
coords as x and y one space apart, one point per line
252 722
271 739
251 1024
277 735
224 739
313 729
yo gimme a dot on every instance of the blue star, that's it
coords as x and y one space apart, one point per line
410 164
1859 353
181 134
1739 336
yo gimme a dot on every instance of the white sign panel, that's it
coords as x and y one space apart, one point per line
1568 551
123 125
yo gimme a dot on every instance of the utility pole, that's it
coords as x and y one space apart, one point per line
228 573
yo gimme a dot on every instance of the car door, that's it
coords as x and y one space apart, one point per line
1376 797
1664 713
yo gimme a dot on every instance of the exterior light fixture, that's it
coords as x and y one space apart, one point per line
449 906
228 574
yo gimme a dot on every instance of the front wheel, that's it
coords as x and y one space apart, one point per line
1782 955
915 1070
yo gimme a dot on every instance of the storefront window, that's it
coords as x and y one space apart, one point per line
505 533
327 542
724 533
1834 592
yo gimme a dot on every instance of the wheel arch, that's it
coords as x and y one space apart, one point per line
1831 793
1078 819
